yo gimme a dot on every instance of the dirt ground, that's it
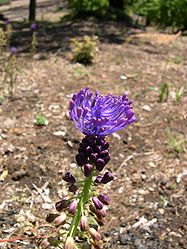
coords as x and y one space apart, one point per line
149 159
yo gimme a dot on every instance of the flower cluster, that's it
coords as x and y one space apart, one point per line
96 116
100 115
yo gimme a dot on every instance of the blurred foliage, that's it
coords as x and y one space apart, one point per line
86 6
3 2
163 12
84 51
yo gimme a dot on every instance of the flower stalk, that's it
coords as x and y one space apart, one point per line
81 204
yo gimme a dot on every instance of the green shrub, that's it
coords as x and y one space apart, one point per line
163 12
81 6
84 51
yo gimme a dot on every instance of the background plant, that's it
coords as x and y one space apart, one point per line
84 50
162 12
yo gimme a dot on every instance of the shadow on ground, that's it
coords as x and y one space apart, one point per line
56 37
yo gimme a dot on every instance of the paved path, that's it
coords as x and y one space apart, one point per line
18 9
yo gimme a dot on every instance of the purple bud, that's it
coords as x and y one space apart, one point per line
84 223
73 188
100 163
94 234
100 221
45 244
88 169
13 50
107 177
51 217
93 157
98 149
88 150
81 159
104 154
105 146
62 204
73 207
60 220
104 199
100 141
99 179
100 213
98 204
107 159
69 243
68 177
33 27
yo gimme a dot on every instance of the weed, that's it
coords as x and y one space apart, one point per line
179 91
8 66
164 92
40 120
84 51
175 141
80 72
176 144
163 201
178 59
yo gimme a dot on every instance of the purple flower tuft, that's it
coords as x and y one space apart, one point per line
13 50
7 21
100 115
33 27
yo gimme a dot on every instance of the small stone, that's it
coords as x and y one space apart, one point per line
123 77
146 108
59 133
124 239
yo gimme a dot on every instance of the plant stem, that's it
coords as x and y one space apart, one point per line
83 199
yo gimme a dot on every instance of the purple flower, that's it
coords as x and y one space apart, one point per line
100 115
33 27
13 50
7 21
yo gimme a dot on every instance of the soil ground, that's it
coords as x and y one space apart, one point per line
149 159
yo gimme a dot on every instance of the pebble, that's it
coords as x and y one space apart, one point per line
146 108
124 239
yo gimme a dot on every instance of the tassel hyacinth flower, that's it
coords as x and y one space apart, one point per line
96 116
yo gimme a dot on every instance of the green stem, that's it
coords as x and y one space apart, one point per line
83 199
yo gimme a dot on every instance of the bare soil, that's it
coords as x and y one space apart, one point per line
149 159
